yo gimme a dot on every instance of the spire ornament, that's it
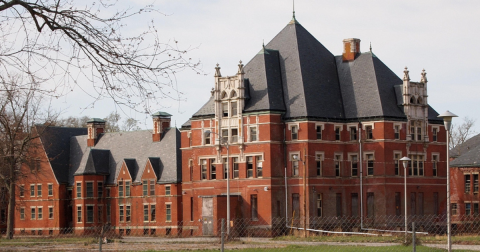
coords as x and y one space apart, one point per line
406 76
217 71
370 47
423 79
240 68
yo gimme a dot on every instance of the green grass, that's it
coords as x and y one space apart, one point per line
296 248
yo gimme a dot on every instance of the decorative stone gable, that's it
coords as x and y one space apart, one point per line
229 95
416 106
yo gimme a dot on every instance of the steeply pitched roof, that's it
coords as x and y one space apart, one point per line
135 148
468 145
470 158
296 75
56 141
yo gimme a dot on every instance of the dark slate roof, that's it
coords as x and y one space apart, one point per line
309 76
265 82
468 145
471 158
368 88
135 149
97 163
56 141
296 75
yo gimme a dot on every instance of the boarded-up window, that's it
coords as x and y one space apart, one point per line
398 210
338 201
435 203
370 205
296 205
413 204
354 204
420 203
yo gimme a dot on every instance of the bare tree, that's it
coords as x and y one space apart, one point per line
19 111
63 43
111 122
460 134
73 122
130 124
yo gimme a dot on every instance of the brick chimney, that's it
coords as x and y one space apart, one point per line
351 49
96 126
161 122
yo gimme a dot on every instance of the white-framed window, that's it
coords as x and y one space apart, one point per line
225 168
338 164
236 170
294 158
416 165
352 128
396 130
354 164
337 132
32 190
121 216
120 189
203 168
50 189
259 166
22 213
224 135
128 213
153 212
145 187
435 159
168 212
468 183
234 108
39 190
40 213
475 183
213 169
145 213
90 213
79 189
369 132
225 109
319 157
253 134
234 135
89 185
22 190
250 167
294 132
397 155
454 208
127 188
50 212
168 190
435 130
207 137
33 213
79 213
370 159
318 129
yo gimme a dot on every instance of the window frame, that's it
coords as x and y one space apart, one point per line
39 190
78 189
435 161
50 189
90 209
89 189
337 164
370 163
79 214
50 213
319 158
168 212
253 133
254 206
353 158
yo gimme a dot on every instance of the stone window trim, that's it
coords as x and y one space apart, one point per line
349 156
39 213
366 160
78 209
212 136
322 126
351 125
251 126
364 125
290 126
340 160
399 124
290 156
199 160
320 154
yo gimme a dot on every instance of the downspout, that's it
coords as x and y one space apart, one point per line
285 160
361 174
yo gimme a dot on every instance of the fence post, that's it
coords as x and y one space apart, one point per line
413 238
223 234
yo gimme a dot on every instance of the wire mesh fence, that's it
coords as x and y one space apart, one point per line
376 233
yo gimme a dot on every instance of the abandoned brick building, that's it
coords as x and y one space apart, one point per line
309 134
85 178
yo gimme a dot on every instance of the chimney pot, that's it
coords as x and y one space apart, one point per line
161 122
96 126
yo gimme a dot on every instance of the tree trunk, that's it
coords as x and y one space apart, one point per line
11 210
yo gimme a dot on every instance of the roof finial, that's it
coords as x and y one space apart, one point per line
370 47
406 76
423 79
217 71
293 9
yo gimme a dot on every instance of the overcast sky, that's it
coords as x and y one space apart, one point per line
442 37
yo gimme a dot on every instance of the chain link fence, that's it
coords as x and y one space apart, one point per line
378 233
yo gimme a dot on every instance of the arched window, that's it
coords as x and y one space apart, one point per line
412 100
420 101
224 95
233 94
